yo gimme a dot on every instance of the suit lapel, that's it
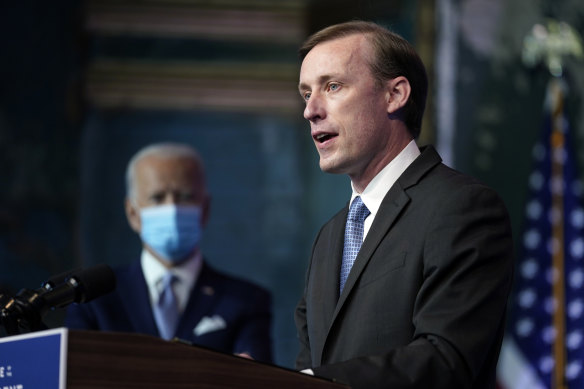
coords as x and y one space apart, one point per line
330 283
207 290
389 211
134 294
325 270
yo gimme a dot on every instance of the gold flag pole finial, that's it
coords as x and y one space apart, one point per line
549 44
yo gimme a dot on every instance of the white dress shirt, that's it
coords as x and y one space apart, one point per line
187 273
374 193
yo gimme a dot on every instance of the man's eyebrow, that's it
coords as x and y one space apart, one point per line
302 87
321 80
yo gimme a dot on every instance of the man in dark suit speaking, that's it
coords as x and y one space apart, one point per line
170 291
407 285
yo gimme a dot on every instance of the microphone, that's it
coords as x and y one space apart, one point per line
80 287
59 279
28 307
47 285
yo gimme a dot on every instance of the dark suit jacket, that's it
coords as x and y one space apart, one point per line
424 304
244 308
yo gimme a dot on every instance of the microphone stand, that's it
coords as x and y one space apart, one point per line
23 313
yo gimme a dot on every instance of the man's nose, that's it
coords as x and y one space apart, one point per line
171 198
315 108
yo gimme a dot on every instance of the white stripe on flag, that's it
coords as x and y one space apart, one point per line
514 371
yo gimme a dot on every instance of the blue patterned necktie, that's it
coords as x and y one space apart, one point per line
353 237
166 310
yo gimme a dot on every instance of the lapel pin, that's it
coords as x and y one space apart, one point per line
208 290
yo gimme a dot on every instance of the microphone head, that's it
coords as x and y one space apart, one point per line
58 279
92 283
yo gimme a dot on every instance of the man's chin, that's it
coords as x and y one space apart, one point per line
331 167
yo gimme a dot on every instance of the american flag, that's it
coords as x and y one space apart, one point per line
544 343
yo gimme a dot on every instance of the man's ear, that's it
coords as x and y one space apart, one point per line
398 93
133 216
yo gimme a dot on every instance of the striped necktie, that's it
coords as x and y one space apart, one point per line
358 212
166 310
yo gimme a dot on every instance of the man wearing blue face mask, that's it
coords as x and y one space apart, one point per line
170 291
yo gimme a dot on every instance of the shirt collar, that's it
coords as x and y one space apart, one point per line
376 190
187 272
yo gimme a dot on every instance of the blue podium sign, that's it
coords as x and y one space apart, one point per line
34 361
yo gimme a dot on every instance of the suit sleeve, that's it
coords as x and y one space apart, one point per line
80 317
254 337
303 360
459 309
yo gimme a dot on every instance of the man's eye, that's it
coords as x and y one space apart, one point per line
333 87
185 197
157 198
306 96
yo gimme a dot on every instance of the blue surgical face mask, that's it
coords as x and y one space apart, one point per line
171 231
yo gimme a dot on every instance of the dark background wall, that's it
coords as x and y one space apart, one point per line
40 130
85 84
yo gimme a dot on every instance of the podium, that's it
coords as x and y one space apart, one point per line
72 359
